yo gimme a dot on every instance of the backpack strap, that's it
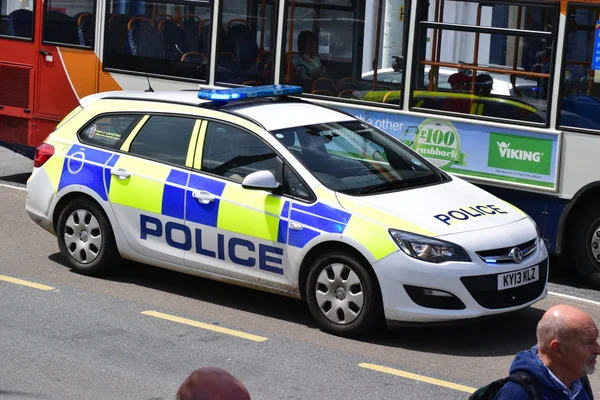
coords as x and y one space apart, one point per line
528 382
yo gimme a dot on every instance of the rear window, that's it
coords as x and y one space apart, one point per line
109 130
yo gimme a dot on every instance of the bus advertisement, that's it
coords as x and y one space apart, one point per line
502 93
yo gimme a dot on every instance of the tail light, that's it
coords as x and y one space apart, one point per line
42 153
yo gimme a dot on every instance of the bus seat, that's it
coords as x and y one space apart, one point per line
161 17
85 29
244 45
117 34
322 92
191 29
20 23
4 26
348 81
228 68
143 38
60 28
173 39
326 84
347 94
194 57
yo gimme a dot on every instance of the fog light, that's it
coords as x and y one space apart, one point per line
433 292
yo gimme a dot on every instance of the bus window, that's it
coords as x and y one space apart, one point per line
69 22
170 39
344 48
246 43
580 107
491 60
16 18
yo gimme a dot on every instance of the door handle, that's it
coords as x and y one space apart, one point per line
203 196
44 52
296 225
120 173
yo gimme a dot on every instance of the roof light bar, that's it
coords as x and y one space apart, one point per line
252 92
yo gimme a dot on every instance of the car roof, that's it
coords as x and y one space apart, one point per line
272 113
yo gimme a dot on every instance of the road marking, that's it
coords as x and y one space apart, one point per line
25 283
202 325
416 377
13 187
575 298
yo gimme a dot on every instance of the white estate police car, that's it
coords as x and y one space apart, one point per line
256 188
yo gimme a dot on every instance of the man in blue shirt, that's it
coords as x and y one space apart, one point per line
566 351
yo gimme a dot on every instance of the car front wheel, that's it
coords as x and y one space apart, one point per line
343 295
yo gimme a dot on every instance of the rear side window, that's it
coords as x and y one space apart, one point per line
16 18
69 23
164 138
109 130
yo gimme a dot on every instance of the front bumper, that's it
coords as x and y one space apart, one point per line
414 291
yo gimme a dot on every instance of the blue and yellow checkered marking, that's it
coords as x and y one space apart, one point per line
173 199
204 214
84 166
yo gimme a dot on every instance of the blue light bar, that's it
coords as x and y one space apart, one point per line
252 92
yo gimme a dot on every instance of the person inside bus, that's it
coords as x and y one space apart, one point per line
307 61
484 84
460 83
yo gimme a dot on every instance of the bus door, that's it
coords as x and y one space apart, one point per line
18 59
63 66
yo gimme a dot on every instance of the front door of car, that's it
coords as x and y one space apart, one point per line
237 232
147 186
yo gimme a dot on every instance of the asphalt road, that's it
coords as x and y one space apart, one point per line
107 338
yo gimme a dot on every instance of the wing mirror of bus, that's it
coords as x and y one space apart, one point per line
261 180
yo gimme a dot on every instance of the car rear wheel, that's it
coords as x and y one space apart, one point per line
585 243
85 237
343 295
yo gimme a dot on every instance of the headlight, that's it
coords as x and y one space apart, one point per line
428 249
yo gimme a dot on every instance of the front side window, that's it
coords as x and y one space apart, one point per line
233 153
166 38
16 18
502 58
353 158
164 138
580 106
345 49
69 23
246 40
109 131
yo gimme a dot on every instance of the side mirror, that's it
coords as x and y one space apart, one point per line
262 180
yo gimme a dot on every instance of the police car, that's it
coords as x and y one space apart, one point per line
259 188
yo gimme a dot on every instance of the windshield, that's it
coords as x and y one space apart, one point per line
353 158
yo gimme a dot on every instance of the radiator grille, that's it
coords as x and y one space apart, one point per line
14 86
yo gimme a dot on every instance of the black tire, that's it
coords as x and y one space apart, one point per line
107 252
371 313
585 224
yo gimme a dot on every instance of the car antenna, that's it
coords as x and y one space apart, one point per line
149 86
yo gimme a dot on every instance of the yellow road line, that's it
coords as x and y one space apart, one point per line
416 377
25 283
202 325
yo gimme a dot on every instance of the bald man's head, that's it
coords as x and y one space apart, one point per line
212 383
568 338
560 323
